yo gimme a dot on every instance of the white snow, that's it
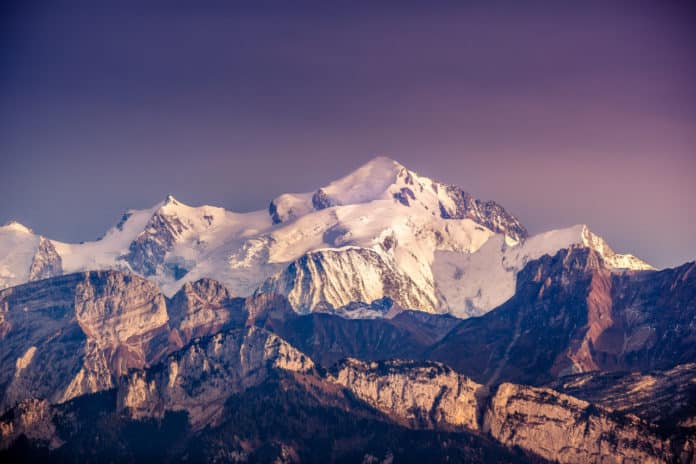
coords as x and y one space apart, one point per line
472 284
458 265
17 247
369 182
104 253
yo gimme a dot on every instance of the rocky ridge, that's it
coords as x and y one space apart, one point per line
201 378
571 314
381 231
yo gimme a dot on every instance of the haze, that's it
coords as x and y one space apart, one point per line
562 113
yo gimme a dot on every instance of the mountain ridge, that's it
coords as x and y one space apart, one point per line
408 230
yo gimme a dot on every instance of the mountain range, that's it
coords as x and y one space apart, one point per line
384 317
425 245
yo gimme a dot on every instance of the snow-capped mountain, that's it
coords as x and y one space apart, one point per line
381 231
470 284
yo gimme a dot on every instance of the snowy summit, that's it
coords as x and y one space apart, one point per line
381 231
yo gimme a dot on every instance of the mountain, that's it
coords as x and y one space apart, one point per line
384 317
665 397
572 313
206 366
205 388
382 231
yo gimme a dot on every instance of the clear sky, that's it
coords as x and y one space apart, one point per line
563 112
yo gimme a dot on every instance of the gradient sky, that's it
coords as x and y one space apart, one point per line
562 112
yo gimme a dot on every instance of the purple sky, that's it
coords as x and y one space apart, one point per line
564 113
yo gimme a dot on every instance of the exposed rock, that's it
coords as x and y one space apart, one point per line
288 207
203 308
89 328
666 397
201 377
571 314
268 309
320 200
567 430
125 315
329 338
610 257
32 418
420 395
403 195
487 213
273 212
46 261
147 252
291 416
39 329
329 279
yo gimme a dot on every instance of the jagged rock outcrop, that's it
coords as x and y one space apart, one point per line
570 314
33 419
289 418
288 207
125 315
46 261
320 200
487 213
38 329
420 395
146 254
391 232
329 279
208 378
88 328
201 377
404 195
567 430
609 256
273 212
204 307
268 310
666 397
548 424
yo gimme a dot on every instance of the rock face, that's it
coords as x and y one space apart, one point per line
38 329
289 418
33 419
125 316
320 200
112 343
328 339
89 328
572 314
562 428
666 397
209 378
331 279
146 254
488 213
609 256
201 377
204 307
418 395
46 261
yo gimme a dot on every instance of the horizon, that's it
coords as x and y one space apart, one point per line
109 108
173 197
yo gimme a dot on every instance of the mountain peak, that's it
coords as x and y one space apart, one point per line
17 227
366 183
382 162
170 200
615 260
